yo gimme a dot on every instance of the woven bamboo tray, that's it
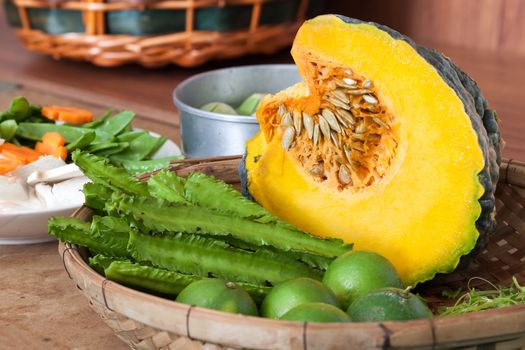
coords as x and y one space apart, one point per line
148 322
155 33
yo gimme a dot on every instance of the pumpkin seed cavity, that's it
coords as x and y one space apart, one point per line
351 139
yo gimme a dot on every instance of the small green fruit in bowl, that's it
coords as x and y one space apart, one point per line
219 107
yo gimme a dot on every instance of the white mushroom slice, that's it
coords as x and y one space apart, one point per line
43 164
54 175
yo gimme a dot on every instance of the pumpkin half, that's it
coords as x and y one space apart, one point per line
385 144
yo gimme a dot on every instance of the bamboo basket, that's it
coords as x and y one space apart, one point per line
156 33
148 322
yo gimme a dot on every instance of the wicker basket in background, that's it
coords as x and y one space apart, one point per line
148 322
155 33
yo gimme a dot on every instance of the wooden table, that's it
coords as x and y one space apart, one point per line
39 306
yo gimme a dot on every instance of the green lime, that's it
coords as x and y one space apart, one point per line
219 107
287 295
316 312
218 294
357 272
388 304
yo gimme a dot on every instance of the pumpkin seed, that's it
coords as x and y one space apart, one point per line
338 103
317 170
325 127
287 119
297 122
349 81
281 110
316 134
335 139
344 175
381 123
370 99
368 84
329 116
345 115
308 125
358 92
340 95
288 137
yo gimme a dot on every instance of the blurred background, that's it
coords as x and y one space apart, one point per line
486 38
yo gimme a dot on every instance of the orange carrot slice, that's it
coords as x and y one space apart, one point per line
23 155
53 138
7 165
67 114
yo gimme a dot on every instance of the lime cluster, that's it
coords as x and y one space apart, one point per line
363 283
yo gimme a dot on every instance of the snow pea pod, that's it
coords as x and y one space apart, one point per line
129 136
35 131
82 142
139 148
98 122
117 123
19 108
8 129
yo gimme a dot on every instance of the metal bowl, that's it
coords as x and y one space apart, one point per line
206 134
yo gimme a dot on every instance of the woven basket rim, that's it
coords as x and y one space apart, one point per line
508 322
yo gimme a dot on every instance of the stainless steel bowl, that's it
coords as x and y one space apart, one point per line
206 134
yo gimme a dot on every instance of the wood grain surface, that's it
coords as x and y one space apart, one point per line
491 25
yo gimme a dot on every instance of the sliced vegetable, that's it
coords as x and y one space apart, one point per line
7 165
52 144
67 114
22 154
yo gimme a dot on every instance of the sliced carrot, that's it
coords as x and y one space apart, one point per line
44 148
21 154
67 114
7 165
53 138
60 152
52 144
